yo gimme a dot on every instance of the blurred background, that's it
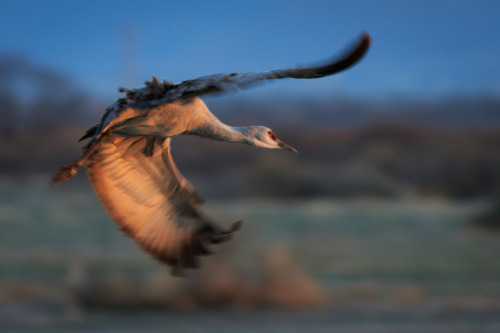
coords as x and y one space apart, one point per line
387 220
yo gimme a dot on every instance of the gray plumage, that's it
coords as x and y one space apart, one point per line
131 169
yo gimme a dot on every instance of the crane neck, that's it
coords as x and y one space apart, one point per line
205 124
219 131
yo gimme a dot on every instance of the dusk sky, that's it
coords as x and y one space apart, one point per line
420 49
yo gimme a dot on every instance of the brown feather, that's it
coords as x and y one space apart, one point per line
151 201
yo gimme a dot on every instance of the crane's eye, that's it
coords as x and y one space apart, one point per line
271 135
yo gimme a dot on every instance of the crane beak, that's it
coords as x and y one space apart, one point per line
283 145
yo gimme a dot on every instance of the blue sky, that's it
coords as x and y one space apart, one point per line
420 49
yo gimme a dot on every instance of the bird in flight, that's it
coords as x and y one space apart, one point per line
130 166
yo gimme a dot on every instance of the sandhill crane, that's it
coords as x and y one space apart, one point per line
131 169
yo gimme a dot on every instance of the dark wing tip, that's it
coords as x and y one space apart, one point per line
356 53
366 38
235 226
224 236
364 43
193 245
351 57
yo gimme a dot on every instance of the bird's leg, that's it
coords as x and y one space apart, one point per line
67 171
149 147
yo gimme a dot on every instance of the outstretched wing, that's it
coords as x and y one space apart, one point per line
151 201
156 93
222 82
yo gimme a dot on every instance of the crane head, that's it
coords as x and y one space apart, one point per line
261 136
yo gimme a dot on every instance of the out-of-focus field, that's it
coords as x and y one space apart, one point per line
397 264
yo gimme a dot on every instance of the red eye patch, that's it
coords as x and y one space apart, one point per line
271 134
